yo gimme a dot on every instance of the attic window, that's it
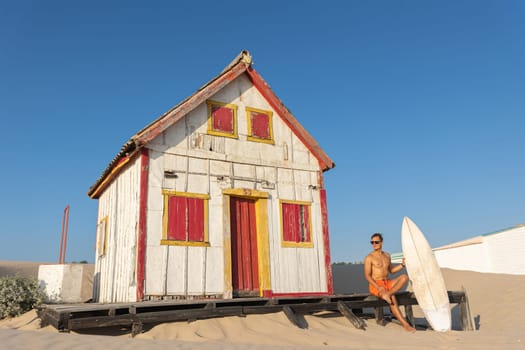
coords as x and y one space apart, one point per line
222 119
259 125
185 219
296 224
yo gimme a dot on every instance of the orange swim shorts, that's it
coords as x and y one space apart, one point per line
387 284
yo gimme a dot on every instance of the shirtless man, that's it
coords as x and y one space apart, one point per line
377 268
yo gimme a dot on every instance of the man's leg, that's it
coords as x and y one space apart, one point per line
397 313
397 283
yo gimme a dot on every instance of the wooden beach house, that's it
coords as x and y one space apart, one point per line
220 197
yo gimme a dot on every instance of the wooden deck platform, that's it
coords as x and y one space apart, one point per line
66 317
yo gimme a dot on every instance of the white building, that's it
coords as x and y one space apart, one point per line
498 252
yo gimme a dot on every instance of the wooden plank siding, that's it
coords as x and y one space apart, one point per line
114 278
175 167
487 253
245 164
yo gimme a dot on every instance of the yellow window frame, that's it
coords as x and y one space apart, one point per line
288 244
211 130
165 241
102 236
250 136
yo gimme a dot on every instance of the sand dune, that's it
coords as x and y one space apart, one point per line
493 301
21 268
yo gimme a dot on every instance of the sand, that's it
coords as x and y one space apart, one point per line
494 301
20 268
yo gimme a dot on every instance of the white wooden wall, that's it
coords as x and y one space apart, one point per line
114 278
507 250
471 257
500 252
185 149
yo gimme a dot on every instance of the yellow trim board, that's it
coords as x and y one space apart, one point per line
109 177
286 244
245 192
184 243
227 248
186 194
263 242
103 245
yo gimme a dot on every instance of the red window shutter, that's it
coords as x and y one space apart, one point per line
260 125
296 223
289 224
305 223
222 119
177 209
195 220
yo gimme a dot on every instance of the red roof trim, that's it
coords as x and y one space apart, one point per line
326 242
232 71
324 161
241 64
142 227
156 128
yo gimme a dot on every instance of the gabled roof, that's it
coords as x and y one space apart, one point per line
242 64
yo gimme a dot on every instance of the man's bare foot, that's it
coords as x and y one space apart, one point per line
409 328
387 297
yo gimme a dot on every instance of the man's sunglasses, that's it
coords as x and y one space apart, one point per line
375 242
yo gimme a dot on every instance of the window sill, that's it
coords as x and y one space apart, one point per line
297 244
256 139
184 243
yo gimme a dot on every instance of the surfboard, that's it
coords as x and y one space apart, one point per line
424 273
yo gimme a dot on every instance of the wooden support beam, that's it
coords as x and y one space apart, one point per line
409 315
296 319
49 317
352 306
467 322
379 314
347 312
63 322
136 328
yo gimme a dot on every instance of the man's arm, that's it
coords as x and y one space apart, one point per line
397 268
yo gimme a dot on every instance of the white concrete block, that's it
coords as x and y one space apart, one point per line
68 283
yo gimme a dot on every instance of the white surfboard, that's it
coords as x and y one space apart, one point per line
424 273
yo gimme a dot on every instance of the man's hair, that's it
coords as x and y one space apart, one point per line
377 234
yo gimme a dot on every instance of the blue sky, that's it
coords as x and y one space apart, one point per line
419 103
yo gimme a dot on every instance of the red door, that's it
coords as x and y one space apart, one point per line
245 270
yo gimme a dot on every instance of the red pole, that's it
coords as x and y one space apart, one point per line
63 240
